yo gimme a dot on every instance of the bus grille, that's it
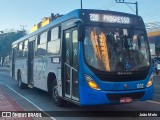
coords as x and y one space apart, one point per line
116 97
122 78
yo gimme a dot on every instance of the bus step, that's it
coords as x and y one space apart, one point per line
30 86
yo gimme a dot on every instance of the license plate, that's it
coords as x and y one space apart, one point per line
126 100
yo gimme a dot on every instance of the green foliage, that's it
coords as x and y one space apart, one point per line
6 40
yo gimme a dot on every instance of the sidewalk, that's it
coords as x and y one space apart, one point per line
16 105
8 104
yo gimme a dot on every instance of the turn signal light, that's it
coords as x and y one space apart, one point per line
91 83
150 82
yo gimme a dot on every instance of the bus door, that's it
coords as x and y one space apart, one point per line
31 46
71 87
13 61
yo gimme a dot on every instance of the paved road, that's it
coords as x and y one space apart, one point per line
42 101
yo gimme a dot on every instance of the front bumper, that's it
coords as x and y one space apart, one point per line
90 96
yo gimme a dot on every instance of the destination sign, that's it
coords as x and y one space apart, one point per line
109 18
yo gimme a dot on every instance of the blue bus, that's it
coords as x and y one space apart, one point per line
88 57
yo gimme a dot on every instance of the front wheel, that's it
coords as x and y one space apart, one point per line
55 96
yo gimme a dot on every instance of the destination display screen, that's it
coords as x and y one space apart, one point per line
109 18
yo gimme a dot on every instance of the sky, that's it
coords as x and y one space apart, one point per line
19 14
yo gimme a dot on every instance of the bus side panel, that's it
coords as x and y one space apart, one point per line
24 71
40 73
42 67
55 68
20 64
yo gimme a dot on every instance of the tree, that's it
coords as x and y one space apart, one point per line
6 40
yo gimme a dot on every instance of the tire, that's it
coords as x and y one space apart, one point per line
54 93
21 85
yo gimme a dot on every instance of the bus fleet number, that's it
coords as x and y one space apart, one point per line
141 85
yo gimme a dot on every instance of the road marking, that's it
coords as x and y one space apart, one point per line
28 100
153 102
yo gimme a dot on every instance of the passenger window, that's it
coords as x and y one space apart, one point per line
43 37
54 43
55 33
20 51
41 47
25 48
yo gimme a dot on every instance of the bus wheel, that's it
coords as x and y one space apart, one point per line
57 100
20 84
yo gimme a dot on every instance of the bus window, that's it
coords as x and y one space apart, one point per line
75 48
54 46
20 52
54 43
25 48
55 33
41 47
75 90
67 37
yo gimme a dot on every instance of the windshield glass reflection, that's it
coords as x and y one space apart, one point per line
116 49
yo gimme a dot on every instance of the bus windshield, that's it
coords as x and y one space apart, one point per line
116 49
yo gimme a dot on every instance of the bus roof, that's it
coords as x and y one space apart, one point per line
73 14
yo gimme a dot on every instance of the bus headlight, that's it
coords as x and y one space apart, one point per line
91 83
150 82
